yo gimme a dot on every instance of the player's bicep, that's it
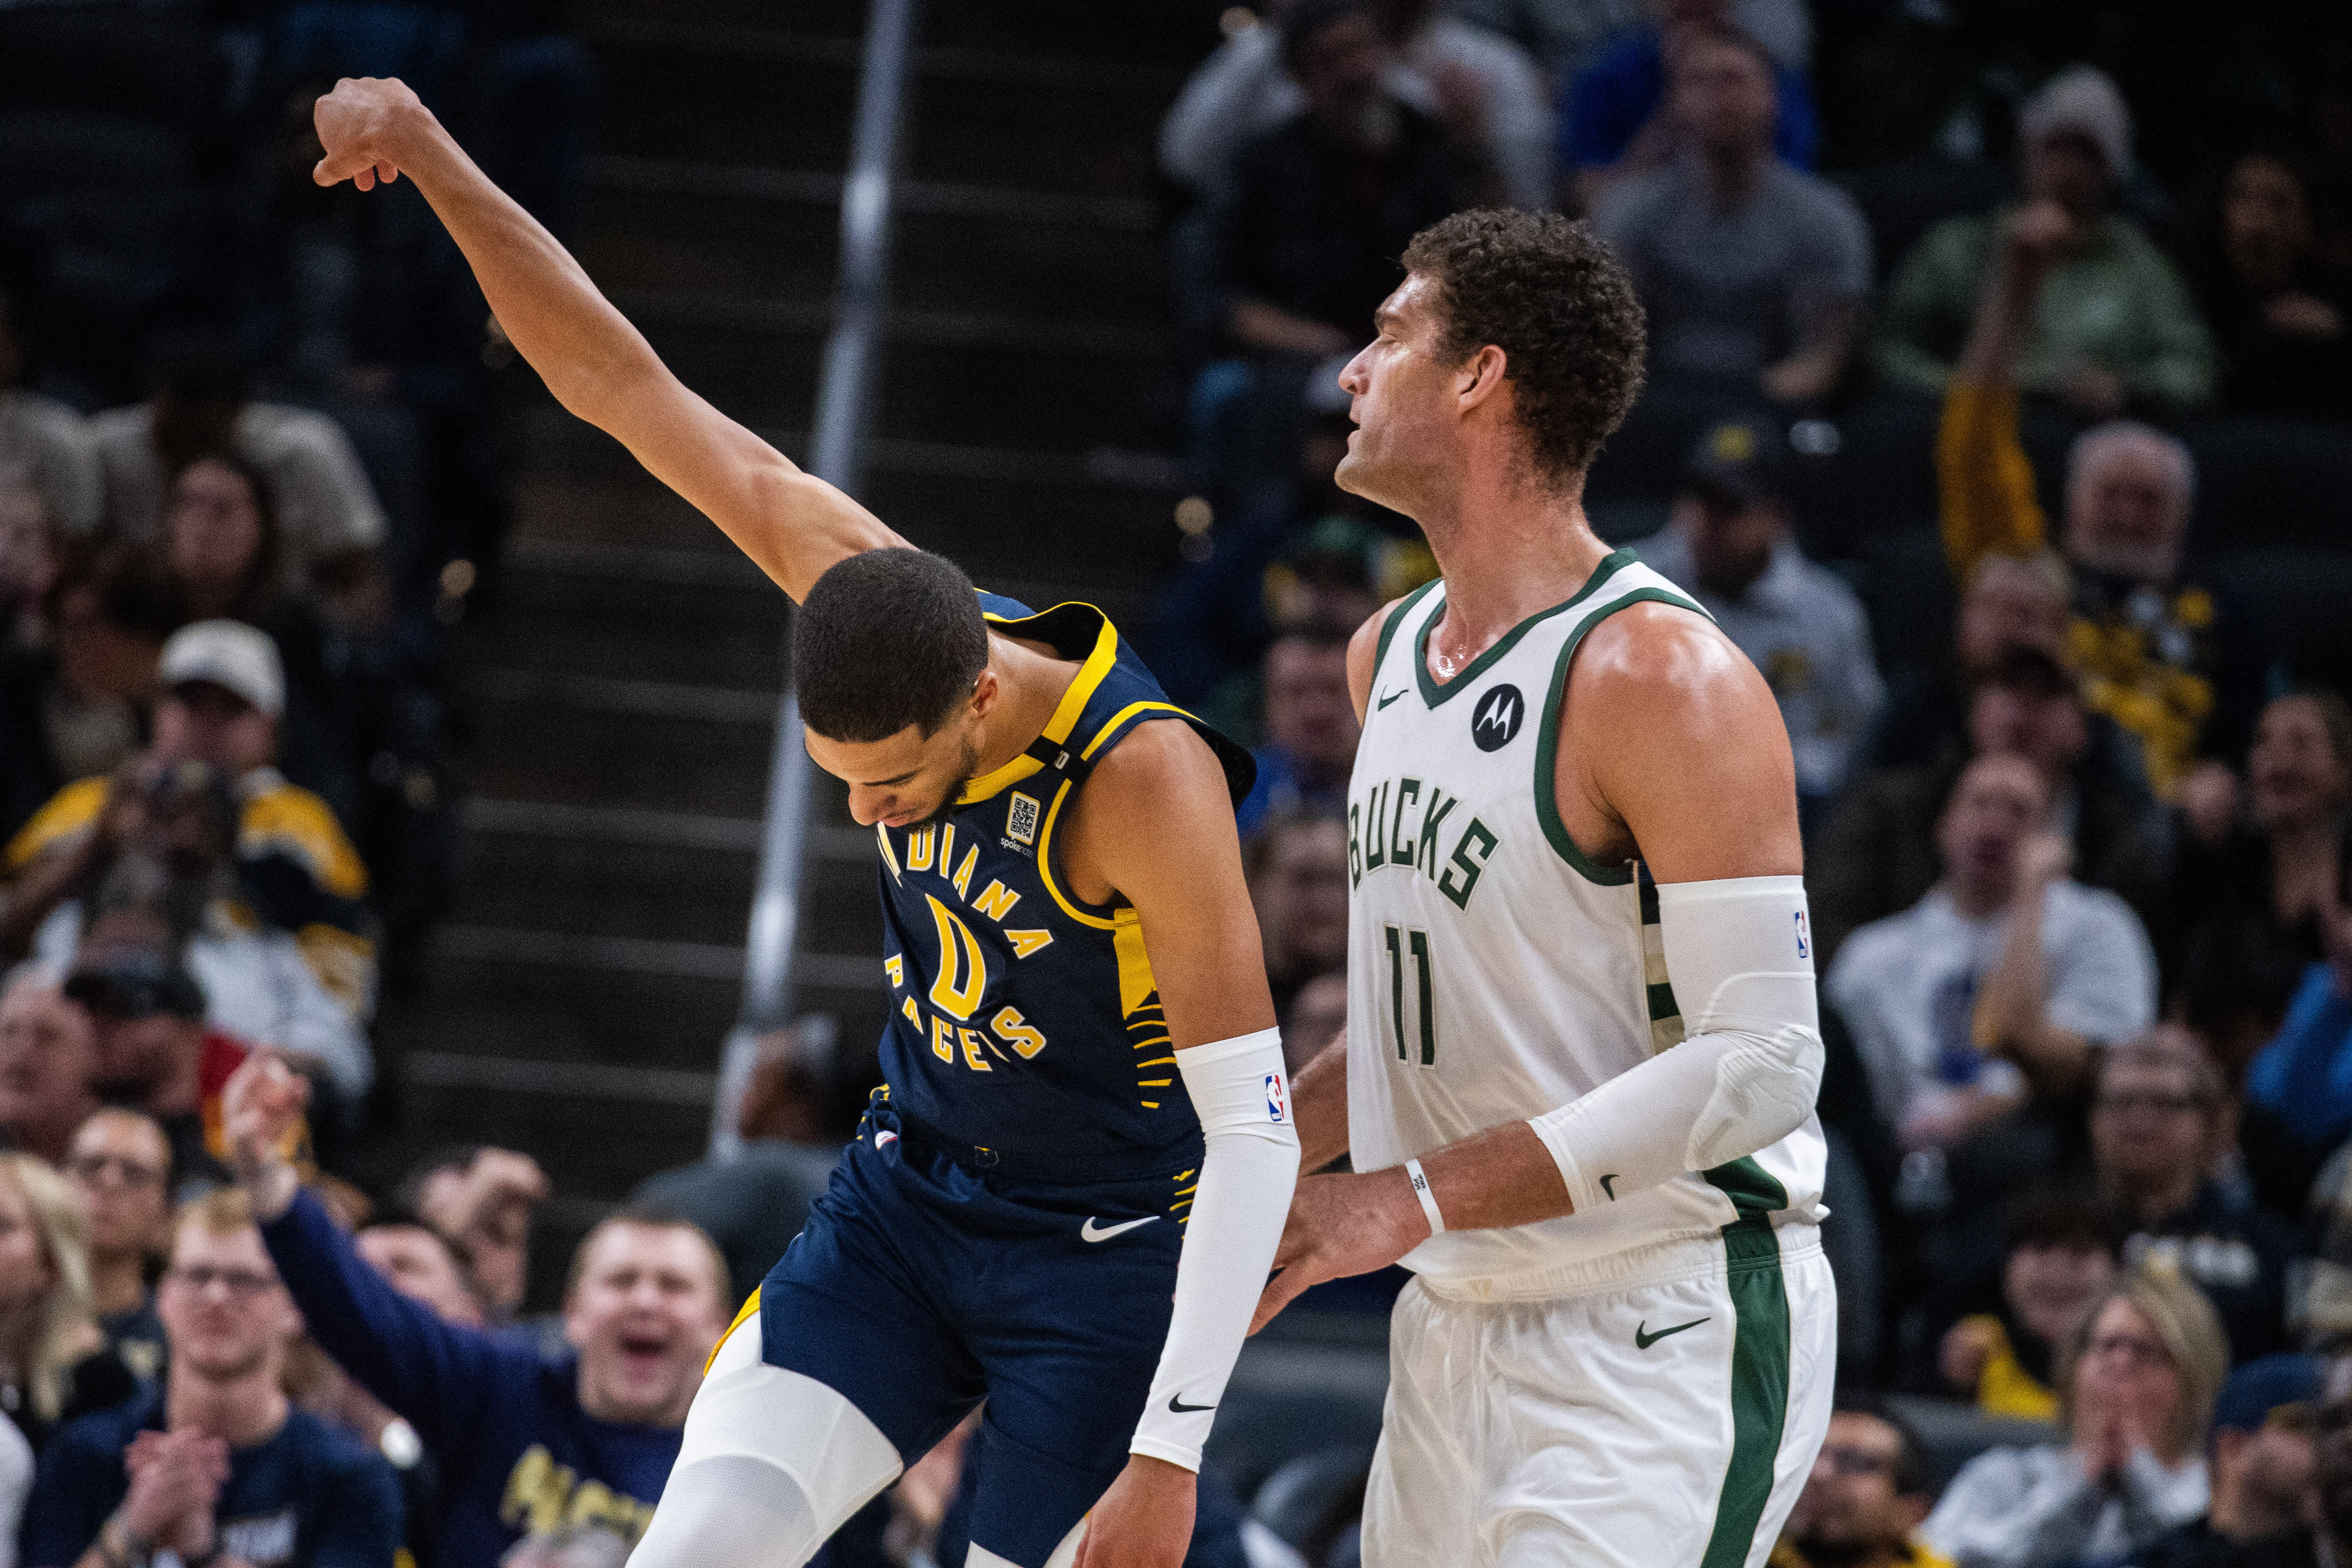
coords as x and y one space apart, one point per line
790 523
1674 734
1180 866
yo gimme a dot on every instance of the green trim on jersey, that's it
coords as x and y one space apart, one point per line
1433 694
1548 738
1759 1359
1396 619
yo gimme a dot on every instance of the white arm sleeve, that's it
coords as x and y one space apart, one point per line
1242 1098
1739 957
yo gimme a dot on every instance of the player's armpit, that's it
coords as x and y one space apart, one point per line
1671 747
1363 657
1158 825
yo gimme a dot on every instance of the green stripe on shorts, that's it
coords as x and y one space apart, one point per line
1759 1359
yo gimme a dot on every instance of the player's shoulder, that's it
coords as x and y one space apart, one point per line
1156 760
1370 641
1657 650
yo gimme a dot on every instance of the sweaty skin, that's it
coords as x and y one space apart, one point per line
1196 909
1671 750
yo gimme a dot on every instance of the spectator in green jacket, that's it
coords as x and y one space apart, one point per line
2114 325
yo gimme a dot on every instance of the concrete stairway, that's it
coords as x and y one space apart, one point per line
619 694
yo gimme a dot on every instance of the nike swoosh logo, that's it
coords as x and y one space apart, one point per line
1176 1402
1607 1188
1643 1339
1384 701
1093 1232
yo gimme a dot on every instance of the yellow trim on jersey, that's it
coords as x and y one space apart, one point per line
289 817
1104 734
749 1307
1045 866
1137 984
68 813
1065 715
283 817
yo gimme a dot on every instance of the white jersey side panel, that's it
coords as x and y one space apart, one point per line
1493 972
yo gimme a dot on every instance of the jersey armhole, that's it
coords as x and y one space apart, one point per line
1547 743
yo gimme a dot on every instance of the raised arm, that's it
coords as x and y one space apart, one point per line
792 524
438 1374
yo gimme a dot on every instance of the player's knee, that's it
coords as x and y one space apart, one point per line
730 1509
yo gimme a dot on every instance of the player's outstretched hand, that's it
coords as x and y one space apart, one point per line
360 124
1145 1520
1351 1223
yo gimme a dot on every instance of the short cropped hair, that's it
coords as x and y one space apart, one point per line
220 1211
1550 295
888 638
649 1216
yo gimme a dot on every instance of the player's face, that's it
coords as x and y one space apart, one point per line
1403 402
644 1316
906 779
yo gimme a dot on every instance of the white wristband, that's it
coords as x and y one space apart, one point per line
1428 1199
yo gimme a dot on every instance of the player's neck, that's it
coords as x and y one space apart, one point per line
1033 683
1507 550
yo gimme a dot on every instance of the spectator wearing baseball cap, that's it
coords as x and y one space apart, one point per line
223 695
1729 545
2113 323
2259 1454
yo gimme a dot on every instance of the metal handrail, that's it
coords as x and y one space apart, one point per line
844 407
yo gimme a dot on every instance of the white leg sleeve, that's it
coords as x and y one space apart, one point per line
771 1464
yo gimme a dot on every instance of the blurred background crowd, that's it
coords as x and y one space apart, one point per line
2000 408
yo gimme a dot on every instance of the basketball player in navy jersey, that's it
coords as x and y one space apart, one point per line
1078 1168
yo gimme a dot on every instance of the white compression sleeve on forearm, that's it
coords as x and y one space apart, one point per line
1243 1096
1739 957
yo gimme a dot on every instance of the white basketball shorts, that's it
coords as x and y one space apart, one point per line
1650 1423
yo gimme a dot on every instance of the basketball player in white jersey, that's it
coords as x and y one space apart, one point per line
1582 1047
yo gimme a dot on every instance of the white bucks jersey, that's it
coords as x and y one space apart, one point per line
1494 972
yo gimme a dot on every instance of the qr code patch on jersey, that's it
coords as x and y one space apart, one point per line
1021 820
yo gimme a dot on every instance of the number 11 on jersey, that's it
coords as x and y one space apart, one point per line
1402 940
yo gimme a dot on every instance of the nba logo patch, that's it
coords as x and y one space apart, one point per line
1021 819
884 1138
1275 1111
1804 942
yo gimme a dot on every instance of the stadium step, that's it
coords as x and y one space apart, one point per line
617 689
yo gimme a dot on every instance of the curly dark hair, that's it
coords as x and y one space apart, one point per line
1547 292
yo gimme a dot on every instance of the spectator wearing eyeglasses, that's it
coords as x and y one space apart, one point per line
216 1466
2262 1456
1870 1488
2138 1382
548 1454
48 1059
122 1162
53 1367
2157 1125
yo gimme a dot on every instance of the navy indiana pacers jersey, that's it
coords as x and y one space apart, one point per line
1026 1025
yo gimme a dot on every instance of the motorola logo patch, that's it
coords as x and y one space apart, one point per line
1498 718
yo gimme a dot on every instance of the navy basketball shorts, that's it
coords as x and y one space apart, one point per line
922 1285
